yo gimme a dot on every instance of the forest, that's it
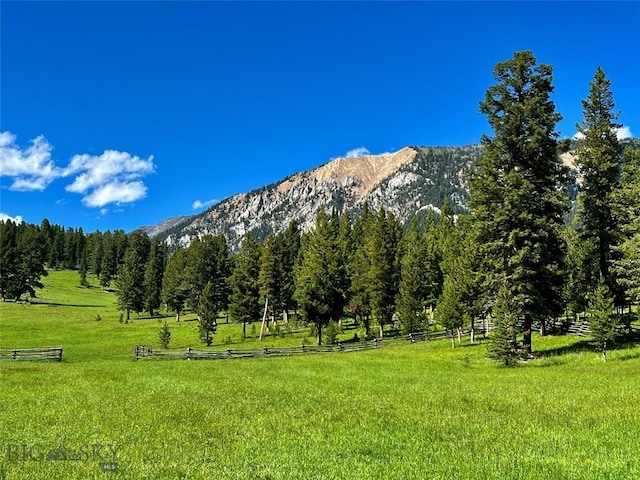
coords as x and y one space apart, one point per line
517 259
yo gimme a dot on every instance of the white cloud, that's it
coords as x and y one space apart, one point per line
197 205
357 152
115 192
106 168
4 217
624 132
113 177
109 178
31 168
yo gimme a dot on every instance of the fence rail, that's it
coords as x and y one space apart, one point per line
144 351
46 353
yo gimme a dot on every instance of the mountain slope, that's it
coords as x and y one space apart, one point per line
169 223
410 180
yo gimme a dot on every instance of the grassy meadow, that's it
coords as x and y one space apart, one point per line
414 411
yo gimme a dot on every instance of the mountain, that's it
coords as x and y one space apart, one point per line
406 182
169 223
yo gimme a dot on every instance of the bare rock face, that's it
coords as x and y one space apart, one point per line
410 180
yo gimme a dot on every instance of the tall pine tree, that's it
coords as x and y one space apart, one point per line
130 280
272 275
598 158
208 262
317 283
175 289
414 289
208 310
244 305
383 277
627 199
516 198
154 272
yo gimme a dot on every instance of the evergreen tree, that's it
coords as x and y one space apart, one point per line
70 259
290 249
208 262
120 243
464 271
504 345
598 158
271 276
82 269
96 255
627 202
9 259
447 237
164 335
577 281
80 242
414 290
383 276
175 289
32 254
109 263
244 306
359 268
516 198
130 280
345 246
208 310
48 235
317 285
434 275
22 260
450 310
154 272
602 321
56 254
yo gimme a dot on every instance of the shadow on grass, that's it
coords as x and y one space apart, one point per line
624 342
628 342
156 317
55 304
580 346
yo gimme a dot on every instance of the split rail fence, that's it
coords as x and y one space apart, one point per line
144 351
46 353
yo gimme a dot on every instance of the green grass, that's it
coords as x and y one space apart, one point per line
412 411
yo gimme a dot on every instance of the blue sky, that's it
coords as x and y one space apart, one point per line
122 114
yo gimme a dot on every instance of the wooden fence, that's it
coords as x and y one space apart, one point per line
46 353
143 351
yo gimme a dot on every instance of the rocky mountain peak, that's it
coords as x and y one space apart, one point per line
410 180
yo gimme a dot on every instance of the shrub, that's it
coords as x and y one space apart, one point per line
164 335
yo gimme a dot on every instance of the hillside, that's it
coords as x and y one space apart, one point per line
405 182
169 223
